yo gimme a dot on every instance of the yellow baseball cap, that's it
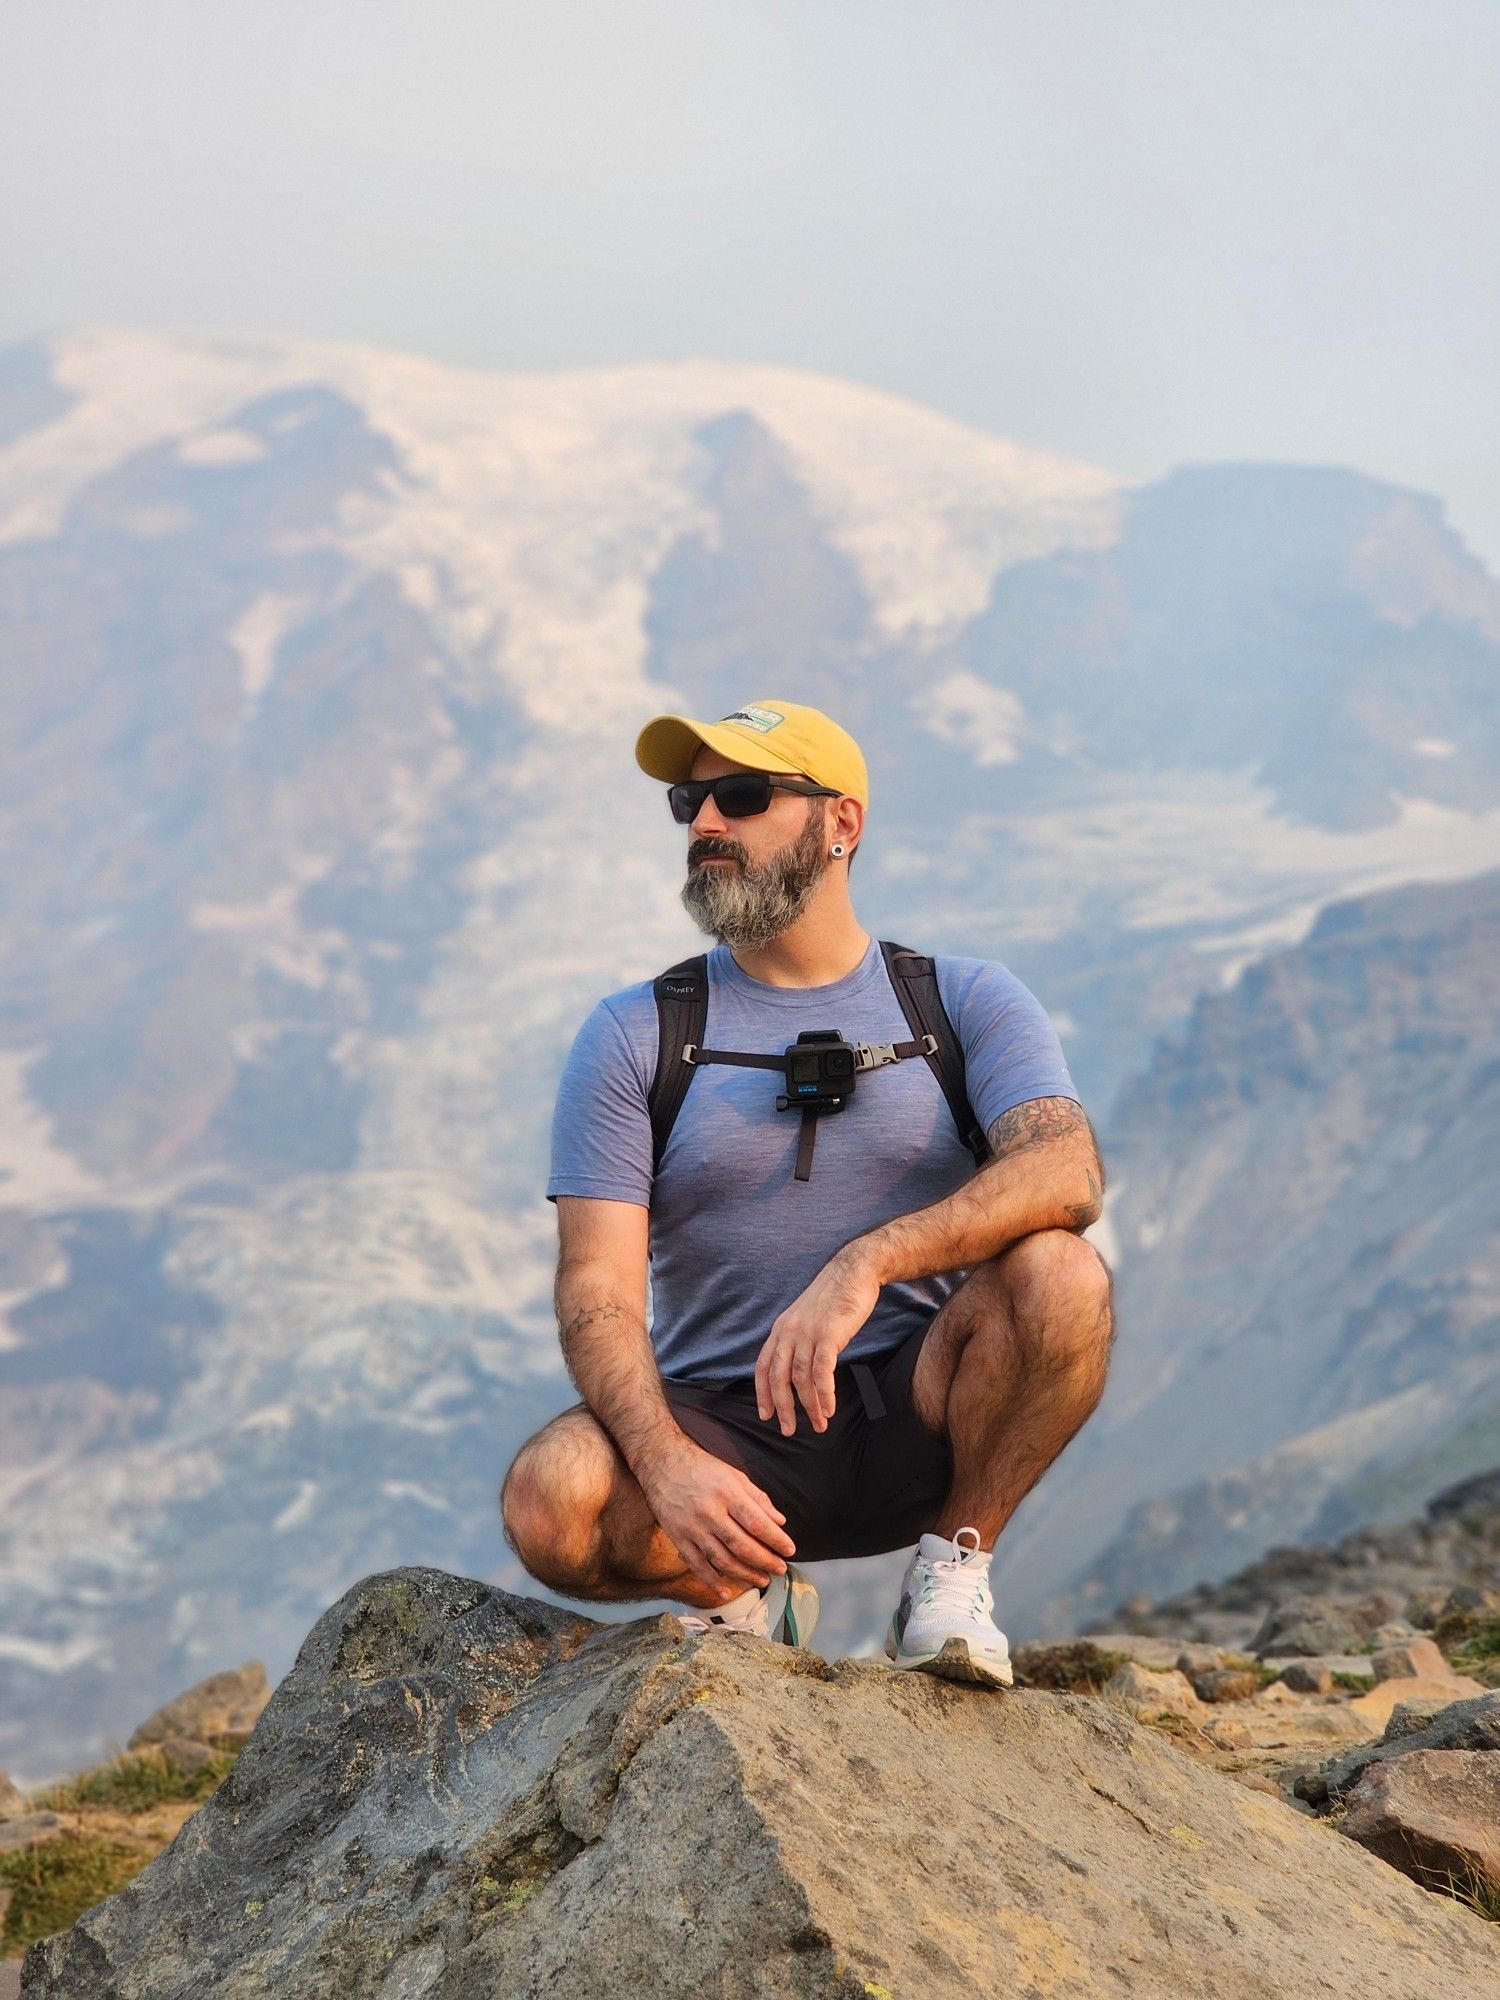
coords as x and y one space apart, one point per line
767 735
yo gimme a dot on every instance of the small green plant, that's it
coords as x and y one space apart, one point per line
1354 1683
134 1782
1478 1652
1472 1889
1077 1667
1173 1724
53 1884
1467 1631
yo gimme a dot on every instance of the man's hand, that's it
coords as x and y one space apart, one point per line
806 1340
723 1526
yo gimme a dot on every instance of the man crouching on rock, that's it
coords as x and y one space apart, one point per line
869 1329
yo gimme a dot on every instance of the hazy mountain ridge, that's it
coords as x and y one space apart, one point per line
1353 618
1308 1250
1454 1541
322 668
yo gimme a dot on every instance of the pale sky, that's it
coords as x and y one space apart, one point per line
1141 232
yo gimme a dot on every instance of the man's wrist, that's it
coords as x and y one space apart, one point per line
865 1257
653 1453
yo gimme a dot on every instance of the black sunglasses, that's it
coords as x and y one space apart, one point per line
737 794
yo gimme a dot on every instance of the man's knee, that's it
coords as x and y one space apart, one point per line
1058 1284
552 1496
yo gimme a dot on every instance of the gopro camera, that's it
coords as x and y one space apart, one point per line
820 1071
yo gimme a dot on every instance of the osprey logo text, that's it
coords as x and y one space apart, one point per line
757 718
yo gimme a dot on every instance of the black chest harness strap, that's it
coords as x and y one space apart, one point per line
820 1068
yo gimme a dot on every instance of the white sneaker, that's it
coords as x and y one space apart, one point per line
785 1612
942 1624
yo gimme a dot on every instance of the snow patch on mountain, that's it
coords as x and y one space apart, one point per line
35 1171
1201 848
538 505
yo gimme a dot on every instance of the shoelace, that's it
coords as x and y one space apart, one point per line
959 1583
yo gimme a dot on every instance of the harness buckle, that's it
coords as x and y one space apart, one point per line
874 1055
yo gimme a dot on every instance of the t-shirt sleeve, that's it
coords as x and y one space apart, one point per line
1011 1050
601 1121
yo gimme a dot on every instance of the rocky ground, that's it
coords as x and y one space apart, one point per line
1309 1647
1148 1810
457 1794
68 1845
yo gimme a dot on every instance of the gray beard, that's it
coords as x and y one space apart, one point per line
747 907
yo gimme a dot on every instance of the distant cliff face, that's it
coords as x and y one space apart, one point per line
321 669
1308 1243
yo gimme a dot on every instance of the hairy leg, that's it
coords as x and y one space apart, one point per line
575 1514
1012 1367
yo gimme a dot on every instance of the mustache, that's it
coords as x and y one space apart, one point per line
702 853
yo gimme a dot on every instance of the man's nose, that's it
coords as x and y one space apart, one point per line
709 823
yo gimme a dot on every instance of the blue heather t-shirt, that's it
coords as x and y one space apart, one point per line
734 1236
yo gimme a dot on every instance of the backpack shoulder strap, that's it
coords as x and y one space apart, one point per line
914 976
681 994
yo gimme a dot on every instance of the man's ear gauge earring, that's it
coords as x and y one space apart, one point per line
838 847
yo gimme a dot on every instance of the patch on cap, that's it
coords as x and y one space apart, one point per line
756 718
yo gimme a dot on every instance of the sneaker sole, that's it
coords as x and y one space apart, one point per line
954 1662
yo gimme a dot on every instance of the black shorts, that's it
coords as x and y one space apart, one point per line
873 1481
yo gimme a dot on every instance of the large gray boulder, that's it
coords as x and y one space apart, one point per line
460 1795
